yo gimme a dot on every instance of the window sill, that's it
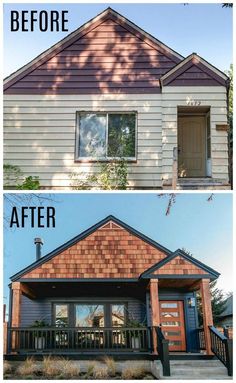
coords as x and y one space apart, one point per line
91 160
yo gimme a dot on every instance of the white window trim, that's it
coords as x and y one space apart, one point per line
104 159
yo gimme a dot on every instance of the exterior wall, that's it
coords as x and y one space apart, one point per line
108 58
179 266
41 309
39 133
214 97
39 136
109 252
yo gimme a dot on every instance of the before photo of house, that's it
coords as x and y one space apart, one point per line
112 98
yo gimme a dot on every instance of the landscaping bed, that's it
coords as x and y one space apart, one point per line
61 368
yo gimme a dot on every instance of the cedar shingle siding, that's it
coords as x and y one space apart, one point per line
109 252
179 266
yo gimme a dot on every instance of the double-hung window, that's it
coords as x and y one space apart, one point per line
104 136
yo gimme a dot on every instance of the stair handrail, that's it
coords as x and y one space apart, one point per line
163 351
222 347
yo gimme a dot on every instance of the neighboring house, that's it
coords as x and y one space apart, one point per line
111 90
110 290
226 318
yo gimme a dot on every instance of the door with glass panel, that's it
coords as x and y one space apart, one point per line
90 323
172 323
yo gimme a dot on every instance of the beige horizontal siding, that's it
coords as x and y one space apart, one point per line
45 142
215 97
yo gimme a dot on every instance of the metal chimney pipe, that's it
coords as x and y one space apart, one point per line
38 243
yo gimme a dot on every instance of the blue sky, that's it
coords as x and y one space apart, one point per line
202 28
204 228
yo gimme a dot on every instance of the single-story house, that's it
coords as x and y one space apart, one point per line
110 90
226 317
113 290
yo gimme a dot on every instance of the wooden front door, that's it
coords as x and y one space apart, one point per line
172 323
191 146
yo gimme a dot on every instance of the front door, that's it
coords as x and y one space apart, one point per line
172 323
191 146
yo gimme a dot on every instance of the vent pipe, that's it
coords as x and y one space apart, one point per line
38 243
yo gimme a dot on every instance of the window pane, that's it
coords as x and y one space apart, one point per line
121 135
89 316
169 305
170 323
118 315
92 135
61 315
170 314
172 333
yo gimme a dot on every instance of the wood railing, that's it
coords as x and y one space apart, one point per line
222 348
54 339
163 351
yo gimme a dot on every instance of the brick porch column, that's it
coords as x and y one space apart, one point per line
206 312
155 310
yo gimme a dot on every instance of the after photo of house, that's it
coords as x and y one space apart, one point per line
125 286
121 101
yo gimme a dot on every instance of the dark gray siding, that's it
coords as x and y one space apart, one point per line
41 309
32 310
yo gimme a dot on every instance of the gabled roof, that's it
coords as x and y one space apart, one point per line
194 59
207 271
85 234
109 13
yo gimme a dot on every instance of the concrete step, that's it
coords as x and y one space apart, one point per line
197 370
201 183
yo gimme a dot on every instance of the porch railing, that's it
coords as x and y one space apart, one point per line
55 339
163 351
201 338
221 346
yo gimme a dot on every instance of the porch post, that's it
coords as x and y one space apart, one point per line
15 317
16 301
206 312
155 311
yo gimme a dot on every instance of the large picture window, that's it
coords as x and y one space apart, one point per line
106 135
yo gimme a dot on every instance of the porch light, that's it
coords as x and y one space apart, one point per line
191 302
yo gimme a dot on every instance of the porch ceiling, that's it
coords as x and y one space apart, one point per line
189 284
85 289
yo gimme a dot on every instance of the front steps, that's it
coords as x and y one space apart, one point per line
211 369
201 184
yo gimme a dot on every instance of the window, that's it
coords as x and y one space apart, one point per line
170 314
106 135
61 315
89 315
118 315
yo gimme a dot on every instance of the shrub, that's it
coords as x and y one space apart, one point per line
100 372
133 372
28 367
111 365
7 368
50 366
29 183
11 175
90 368
112 175
68 369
